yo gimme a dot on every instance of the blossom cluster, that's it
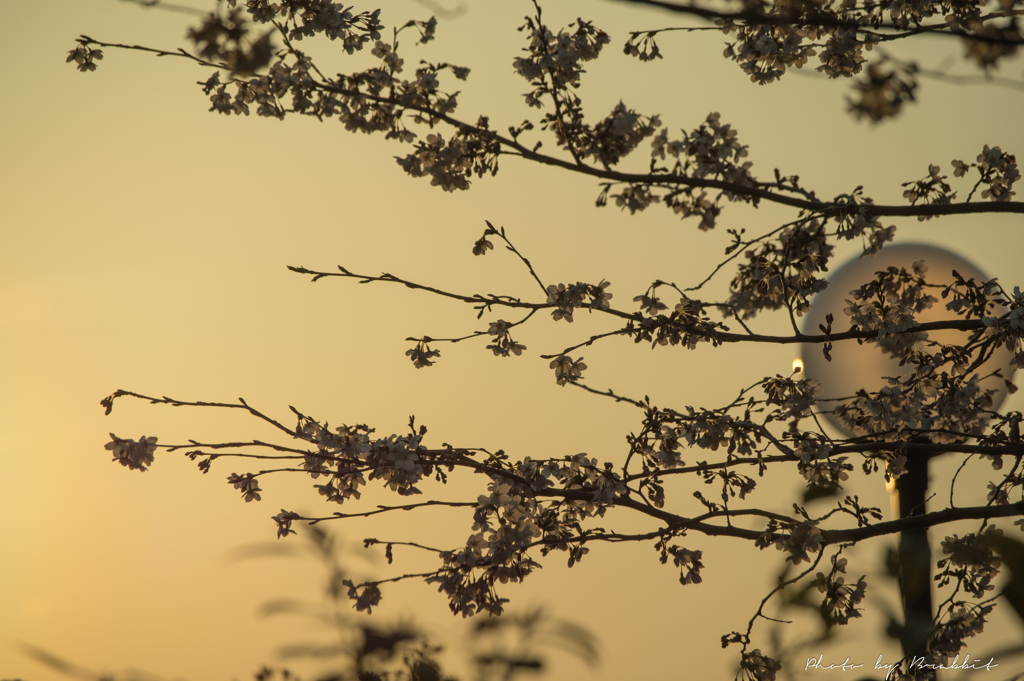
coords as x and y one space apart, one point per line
225 40
617 135
643 46
843 53
1008 330
946 407
395 460
930 190
855 219
369 101
997 173
247 484
962 621
503 344
689 564
801 540
815 464
688 324
767 39
712 150
764 51
340 457
567 298
553 65
422 355
889 304
841 599
451 163
134 455
971 560
793 398
510 519
558 57
882 92
567 370
712 430
756 666
85 57
783 273
997 42
308 18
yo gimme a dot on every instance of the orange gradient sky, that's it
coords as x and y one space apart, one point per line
144 244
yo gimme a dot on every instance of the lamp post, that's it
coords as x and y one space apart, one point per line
865 366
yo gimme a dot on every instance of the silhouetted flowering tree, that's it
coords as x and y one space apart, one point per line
530 507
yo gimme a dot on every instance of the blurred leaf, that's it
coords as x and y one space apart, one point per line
425 670
294 606
892 562
375 640
1012 553
264 549
576 640
894 629
321 650
66 668
57 663
813 492
510 661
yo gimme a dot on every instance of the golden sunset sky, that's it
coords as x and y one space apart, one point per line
144 244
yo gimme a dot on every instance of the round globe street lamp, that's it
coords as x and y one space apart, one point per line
855 367
865 367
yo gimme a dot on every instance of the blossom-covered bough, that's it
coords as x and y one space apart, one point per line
766 38
529 508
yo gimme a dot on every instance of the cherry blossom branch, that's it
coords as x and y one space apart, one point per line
665 180
608 393
108 404
923 449
385 509
823 208
475 334
508 244
672 520
739 249
675 522
586 343
960 79
366 278
724 337
776 589
946 28
168 6
908 447
180 52
294 453
923 521
854 534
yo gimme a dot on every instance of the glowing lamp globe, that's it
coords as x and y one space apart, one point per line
865 367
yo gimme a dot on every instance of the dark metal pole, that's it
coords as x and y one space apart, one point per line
914 561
